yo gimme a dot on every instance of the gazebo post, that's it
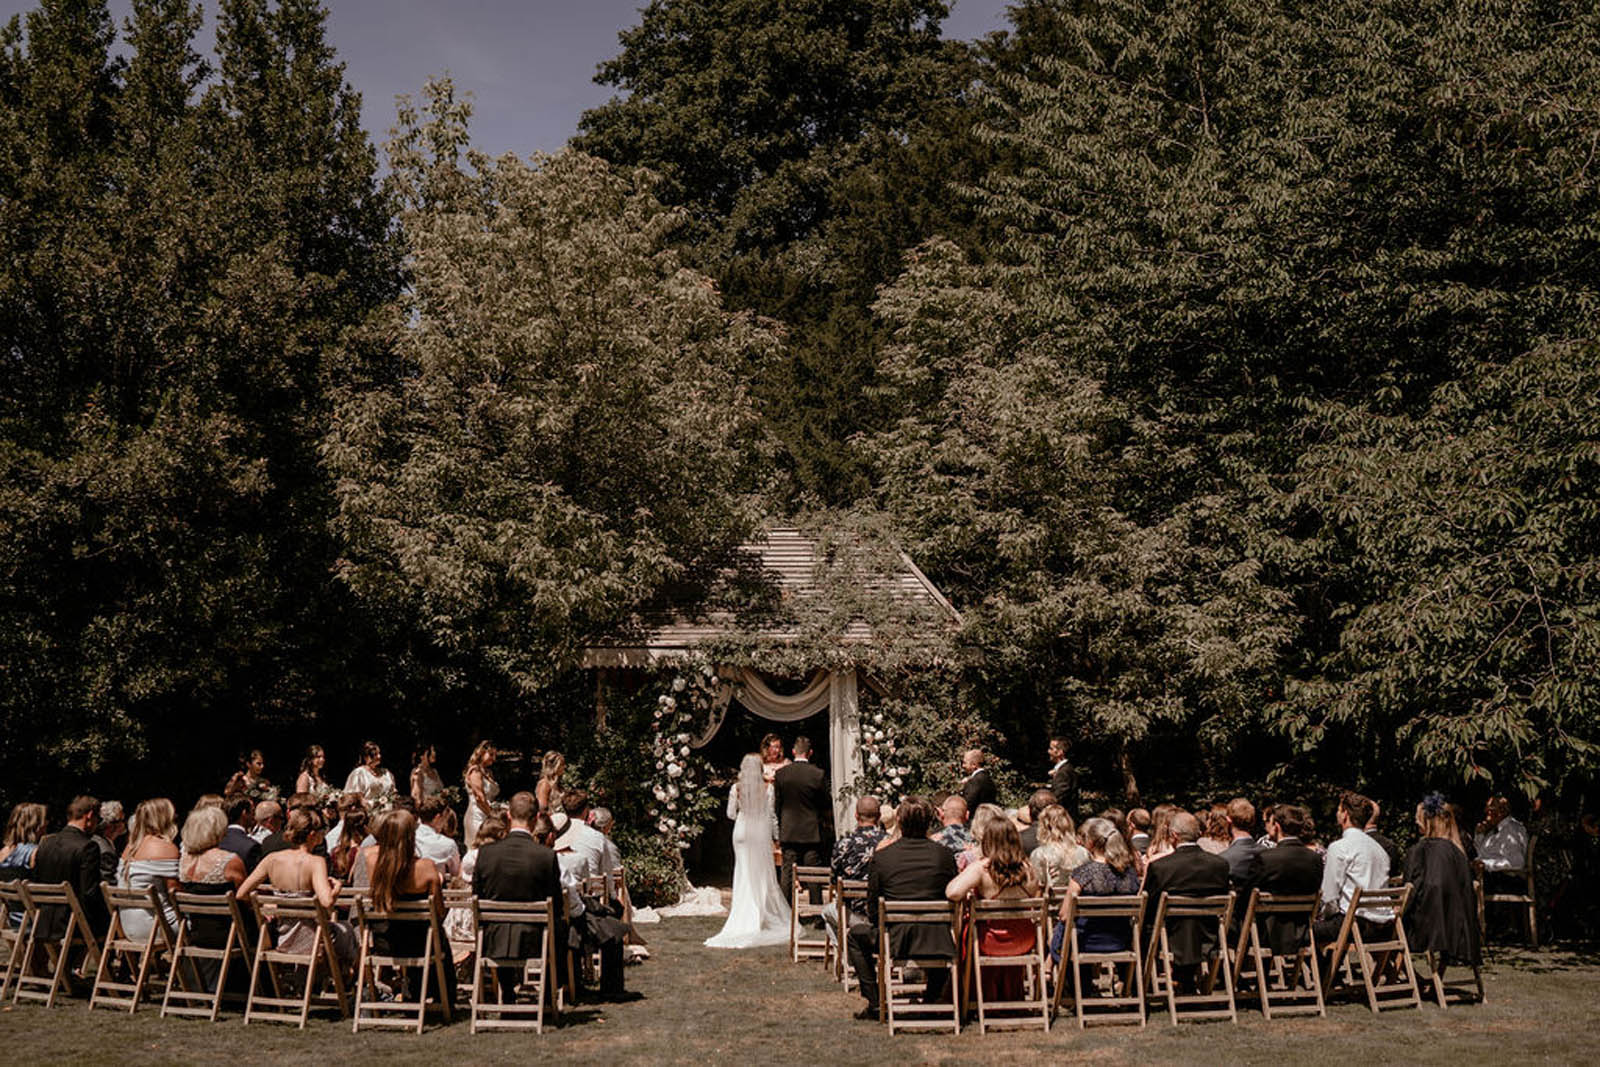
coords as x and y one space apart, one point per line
844 743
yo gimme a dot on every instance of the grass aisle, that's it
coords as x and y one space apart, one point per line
700 1005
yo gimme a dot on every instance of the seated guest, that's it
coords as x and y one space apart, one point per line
1001 873
212 800
1354 860
1264 840
300 872
954 834
24 830
1160 835
912 868
518 867
1139 831
1443 913
269 820
1215 837
1390 849
1058 853
151 859
1290 868
1041 799
399 874
1502 845
1109 872
433 816
1243 854
344 841
852 852
602 820
241 819
493 828
275 841
1187 871
206 868
981 819
596 920
587 845
108 838
71 856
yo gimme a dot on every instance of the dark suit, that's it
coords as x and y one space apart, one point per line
1064 784
805 815
241 844
1397 860
1289 870
909 869
1191 871
71 856
517 868
978 789
1244 863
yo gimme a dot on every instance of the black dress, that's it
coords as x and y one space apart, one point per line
1443 916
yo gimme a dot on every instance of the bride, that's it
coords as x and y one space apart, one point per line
758 914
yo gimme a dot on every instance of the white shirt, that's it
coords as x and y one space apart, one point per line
1355 860
1503 848
260 834
433 845
586 854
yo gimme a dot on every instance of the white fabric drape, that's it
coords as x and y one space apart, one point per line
755 695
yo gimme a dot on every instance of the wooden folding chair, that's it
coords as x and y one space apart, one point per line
186 988
1034 1007
1126 1004
13 936
46 904
1206 1002
504 1013
849 896
1286 985
1526 902
321 964
400 1012
461 948
895 1002
1388 973
800 908
136 954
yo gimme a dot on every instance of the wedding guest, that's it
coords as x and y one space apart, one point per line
912 868
1290 868
400 874
1139 831
275 841
1502 844
212 800
1063 779
1041 799
108 838
346 838
70 855
248 778
268 819
1109 872
1058 853
548 789
493 829
852 852
590 850
1264 841
953 815
1353 860
371 778
241 812
310 778
425 780
1160 837
1186 871
977 788
151 859
24 830
1243 854
602 819
981 819
432 836
1392 850
207 868
1215 836
517 868
1001 873
1443 914
299 872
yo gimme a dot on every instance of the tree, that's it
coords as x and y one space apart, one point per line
566 431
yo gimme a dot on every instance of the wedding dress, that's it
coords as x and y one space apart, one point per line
758 914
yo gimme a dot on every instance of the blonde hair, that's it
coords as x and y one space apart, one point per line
1055 827
26 825
203 829
475 760
154 817
986 814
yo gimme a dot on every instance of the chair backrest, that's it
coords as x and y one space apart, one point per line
511 911
1129 907
1213 907
1390 900
209 905
853 889
813 875
594 885
132 899
457 898
1031 908
925 912
1301 907
277 909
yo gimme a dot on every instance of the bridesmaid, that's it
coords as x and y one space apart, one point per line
482 789
425 780
249 776
371 779
549 790
310 779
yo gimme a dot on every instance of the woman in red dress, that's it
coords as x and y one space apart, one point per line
1002 872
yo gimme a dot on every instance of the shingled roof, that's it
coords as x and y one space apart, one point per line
782 587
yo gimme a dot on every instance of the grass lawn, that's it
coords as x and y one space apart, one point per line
715 1007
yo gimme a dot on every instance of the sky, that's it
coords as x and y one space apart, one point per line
529 64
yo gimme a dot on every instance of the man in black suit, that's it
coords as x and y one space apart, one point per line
913 868
1288 869
72 856
237 839
519 867
977 787
1063 779
805 815
1041 799
1397 859
1243 854
1187 871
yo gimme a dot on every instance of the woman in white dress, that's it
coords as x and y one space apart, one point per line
372 780
758 914
482 789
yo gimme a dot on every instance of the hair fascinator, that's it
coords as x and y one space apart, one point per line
1433 804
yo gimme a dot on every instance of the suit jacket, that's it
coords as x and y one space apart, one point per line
1289 870
1244 863
912 869
1064 784
1397 859
978 789
242 845
1191 871
71 856
1030 840
517 868
804 806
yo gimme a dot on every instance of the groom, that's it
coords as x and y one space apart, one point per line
805 815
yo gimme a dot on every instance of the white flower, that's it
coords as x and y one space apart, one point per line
895 781
877 735
878 718
672 805
684 751
672 792
678 684
660 765
662 825
683 739
664 700
873 760
671 822
668 703
660 794
674 771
